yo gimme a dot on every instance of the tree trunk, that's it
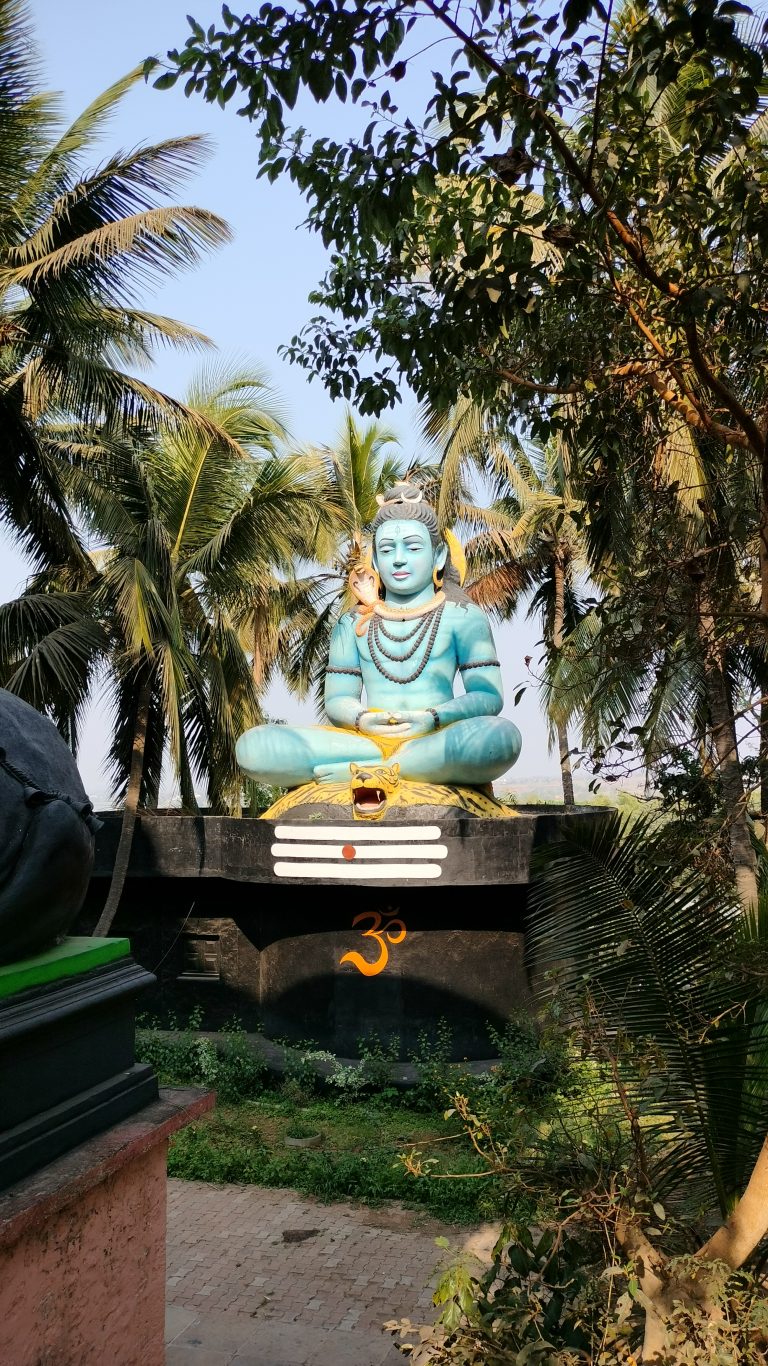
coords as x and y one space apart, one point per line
733 1243
763 541
747 1225
557 644
122 858
726 748
257 667
763 761
565 765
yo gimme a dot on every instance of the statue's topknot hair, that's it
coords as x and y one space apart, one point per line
405 503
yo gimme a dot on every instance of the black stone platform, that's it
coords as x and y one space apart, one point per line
67 1064
334 955
455 848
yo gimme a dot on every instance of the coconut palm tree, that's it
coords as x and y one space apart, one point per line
186 519
76 246
362 463
673 978
663 663
535 545
527 541
275 615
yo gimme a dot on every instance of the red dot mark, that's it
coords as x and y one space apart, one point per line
348 851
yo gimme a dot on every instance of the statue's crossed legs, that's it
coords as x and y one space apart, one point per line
469 752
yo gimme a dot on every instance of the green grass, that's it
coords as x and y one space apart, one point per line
358 1159
366 1124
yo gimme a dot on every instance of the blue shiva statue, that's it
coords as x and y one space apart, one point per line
403 650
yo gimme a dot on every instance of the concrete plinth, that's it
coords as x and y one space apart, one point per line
82 1247
336 933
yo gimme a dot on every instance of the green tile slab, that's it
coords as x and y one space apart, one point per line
75 955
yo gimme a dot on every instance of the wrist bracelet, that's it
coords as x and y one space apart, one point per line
357 718
434 716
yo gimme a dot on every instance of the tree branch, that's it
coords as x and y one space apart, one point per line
727 398
681 404
649 1262
670 365
629 241
520 382
651 338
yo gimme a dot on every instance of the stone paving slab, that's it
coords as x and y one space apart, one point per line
271 1278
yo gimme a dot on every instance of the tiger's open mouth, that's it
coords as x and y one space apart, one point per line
368 801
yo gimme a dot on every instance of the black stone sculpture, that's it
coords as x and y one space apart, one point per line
47 830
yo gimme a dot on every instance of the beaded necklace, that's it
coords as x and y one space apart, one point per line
382 630
378 634
426 631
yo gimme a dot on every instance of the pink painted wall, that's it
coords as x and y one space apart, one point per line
88 1288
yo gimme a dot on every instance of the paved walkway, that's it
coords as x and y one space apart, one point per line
270 1278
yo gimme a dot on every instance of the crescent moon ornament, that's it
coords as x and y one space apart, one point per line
403 493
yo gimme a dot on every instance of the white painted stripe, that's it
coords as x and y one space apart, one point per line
327 851
392 871
355 834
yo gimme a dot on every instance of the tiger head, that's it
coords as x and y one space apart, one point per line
371 790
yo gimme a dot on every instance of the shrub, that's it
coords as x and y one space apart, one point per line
533 1304
437 1075
534 1057
230 1064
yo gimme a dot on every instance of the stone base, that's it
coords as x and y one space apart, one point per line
46 1135
281 964
82 1247
67 1063
472 850
336 931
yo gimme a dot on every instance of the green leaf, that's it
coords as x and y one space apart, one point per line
575 12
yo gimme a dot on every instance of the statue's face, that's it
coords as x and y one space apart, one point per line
405 557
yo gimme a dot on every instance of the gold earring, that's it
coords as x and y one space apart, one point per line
437 579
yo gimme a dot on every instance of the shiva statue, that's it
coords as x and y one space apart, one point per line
412 631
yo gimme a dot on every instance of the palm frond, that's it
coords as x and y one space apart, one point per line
26 115
651 939
51 647
55 167
146 242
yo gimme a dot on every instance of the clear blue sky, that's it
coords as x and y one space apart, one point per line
249 297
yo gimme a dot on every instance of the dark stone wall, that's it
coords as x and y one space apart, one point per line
273 958
207 913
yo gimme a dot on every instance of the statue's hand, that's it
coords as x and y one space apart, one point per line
381 723
414 723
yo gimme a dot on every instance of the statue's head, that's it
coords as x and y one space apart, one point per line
408 551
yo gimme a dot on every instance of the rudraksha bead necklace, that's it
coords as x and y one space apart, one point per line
428 631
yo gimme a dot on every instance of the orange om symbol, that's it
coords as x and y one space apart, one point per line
374 931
